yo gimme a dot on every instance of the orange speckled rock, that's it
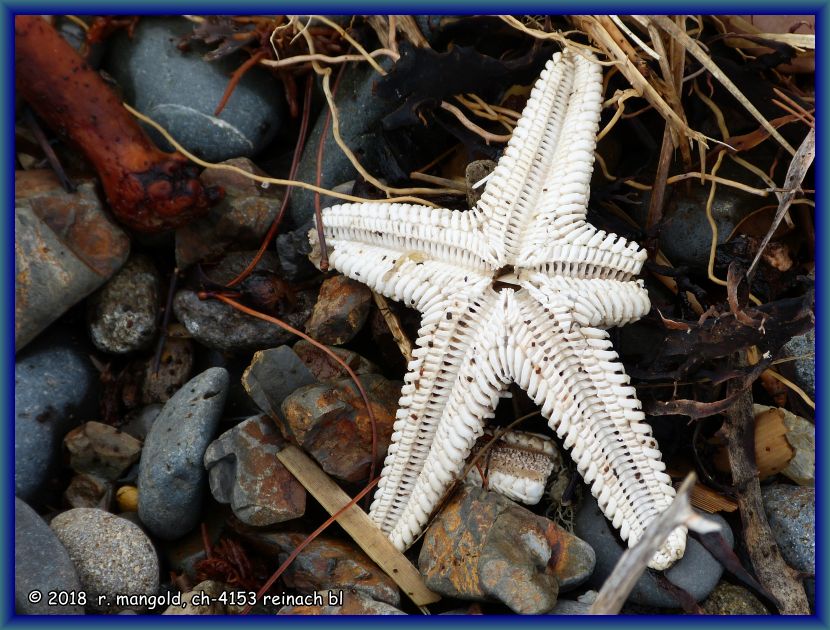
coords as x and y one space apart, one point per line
330 422
484 547
340 312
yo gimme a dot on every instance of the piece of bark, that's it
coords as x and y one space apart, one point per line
770 568
148 190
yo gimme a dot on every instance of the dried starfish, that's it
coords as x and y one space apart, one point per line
520 288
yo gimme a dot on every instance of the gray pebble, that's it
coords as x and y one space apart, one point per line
41 563
274 374
697 572
171 478
138 423
180 91
112 556
804 366
55 387
122 315
221 327
791 511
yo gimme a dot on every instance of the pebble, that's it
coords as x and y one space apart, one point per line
272 375
41 563
329 421
340 312
326 564
174 368
138 422
66 246
482 546
293 249
686 235
360 113
353 603
791 512
244 471
804 367
221 327
171 479
88 491
123 313
731 599
326 369
112 556
697 572
55 387
239 221
101 450
127 498
180 91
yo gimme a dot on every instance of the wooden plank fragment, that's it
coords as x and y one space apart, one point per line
358 525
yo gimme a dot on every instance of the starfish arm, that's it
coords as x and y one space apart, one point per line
592 254
452 387
573 373
417 232
595 302
544 175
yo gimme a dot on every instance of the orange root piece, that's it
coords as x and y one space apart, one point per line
147 189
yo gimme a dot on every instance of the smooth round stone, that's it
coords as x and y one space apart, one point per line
171 476
112 556
791 512
180 91
123 313
55 387
697 572
41 563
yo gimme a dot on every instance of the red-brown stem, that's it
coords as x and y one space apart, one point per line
235 78
148 190
295 164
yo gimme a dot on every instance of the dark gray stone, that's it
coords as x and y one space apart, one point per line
791 511
171 478
359 112
180 91
41 563
55 387
273 375
804 366
697 572
293 248
112 556
139 423
123 314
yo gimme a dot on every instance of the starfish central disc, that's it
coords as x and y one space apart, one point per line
519 289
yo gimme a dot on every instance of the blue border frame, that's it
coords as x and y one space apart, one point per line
7 12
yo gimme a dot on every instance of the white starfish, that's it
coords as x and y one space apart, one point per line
518 289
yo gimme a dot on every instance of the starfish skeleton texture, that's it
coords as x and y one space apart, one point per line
520 288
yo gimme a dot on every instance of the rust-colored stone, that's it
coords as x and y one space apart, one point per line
245 472
65 248
340 312
324 368
330 422
240 220
482 546
327 563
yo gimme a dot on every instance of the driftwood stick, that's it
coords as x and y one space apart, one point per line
772 572
633 562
